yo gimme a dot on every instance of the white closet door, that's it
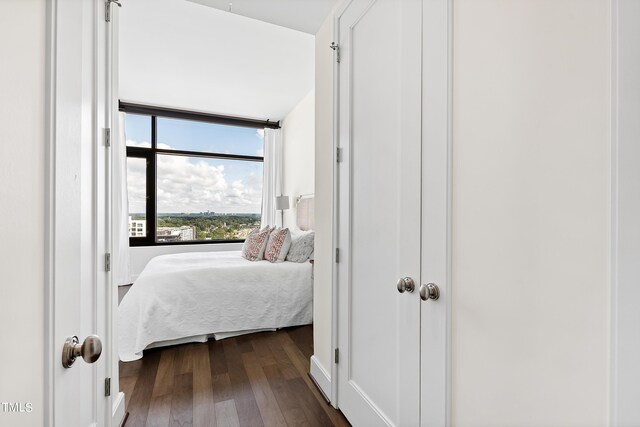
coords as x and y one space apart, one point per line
379 211
435 211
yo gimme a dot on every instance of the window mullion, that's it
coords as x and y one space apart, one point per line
154 132
152 182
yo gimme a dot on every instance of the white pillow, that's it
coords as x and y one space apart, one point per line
278 245
301 245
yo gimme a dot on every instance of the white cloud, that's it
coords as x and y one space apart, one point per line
186 185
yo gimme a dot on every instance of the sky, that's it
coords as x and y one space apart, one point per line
190 184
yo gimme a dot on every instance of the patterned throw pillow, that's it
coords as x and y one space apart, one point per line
278 245
255 244
301 246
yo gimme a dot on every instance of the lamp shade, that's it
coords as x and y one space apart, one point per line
282 203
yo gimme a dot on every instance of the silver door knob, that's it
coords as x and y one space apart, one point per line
406 284
90 350
429 291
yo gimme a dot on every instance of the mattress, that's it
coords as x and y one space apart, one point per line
182 297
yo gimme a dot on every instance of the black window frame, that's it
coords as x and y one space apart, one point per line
151 155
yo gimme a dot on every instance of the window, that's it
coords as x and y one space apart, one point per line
191 177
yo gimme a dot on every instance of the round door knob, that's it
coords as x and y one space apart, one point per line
90 350
406 284
429 291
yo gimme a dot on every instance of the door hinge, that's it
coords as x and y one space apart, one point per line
107 386
107 137
337 255
334 46
107 8
338 155
336 356
107 262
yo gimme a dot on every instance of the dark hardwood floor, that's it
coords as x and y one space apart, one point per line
252 380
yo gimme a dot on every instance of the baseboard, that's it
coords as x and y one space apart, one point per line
118 410
320 377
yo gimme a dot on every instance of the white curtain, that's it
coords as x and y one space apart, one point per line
272 181
120 258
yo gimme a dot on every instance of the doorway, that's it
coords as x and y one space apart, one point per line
197 74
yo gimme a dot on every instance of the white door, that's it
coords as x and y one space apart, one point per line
436 212
78 283
379 211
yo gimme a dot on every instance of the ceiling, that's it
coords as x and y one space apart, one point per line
301 15
180 54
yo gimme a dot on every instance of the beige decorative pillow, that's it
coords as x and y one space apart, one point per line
255 244
278 245
301 246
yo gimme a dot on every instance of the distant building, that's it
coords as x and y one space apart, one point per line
176 234
243 233
137 227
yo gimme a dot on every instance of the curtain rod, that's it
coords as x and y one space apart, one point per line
128 107
304 196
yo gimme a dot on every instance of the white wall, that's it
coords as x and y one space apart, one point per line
22 152
323 268
530 212
185 55
626 319
298 142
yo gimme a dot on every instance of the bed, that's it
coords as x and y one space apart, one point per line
191 297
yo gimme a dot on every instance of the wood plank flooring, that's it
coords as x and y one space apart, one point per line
252 380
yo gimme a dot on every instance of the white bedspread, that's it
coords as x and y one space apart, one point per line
190 294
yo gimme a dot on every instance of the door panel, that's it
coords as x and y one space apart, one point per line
434 370
77 210
379 211
66 204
